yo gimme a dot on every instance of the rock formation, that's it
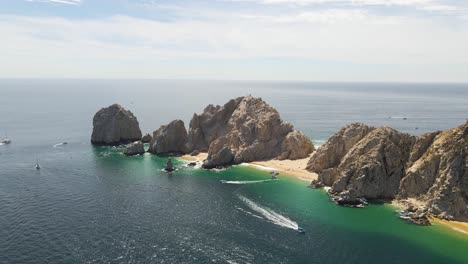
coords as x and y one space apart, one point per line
361 161
169 138
247 129
169 166
222 158
146 138
134 148
115 125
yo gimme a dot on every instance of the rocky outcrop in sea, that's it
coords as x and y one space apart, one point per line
245 129
170 138
134 148
115 125
364 162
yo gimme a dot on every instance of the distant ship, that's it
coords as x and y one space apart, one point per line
6 140
38 167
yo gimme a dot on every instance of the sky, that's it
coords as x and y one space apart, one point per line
299 40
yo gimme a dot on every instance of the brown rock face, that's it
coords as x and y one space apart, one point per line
222 158
296 145
170 138
440 176
114 125
380 162
250 128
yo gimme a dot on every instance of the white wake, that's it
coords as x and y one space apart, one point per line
244 182
270 215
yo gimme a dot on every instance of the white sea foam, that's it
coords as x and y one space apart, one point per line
244 182
270 215
60 144
249 213
260 167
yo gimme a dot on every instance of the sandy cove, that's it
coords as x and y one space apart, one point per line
455 225
294 168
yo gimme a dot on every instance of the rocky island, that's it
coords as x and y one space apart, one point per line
426 174
244 129
115 125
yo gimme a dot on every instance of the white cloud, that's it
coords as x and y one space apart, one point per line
67 2
126 46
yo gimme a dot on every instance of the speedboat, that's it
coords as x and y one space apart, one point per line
274 175
301 230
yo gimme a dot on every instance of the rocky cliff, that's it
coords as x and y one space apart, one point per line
361 161
170 138
245 129
114 125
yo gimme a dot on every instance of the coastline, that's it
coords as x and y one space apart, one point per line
295 168
461 227
292 168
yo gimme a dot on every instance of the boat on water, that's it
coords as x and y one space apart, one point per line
274 175
301 230
6 140
38 167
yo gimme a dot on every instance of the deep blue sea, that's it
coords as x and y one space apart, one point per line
93 205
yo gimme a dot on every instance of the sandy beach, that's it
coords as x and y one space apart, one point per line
455 225
294 168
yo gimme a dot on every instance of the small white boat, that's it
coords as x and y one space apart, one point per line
6 140
301 230
38 167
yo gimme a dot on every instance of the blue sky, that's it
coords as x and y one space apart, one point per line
316 40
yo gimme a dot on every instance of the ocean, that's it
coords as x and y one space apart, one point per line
93 205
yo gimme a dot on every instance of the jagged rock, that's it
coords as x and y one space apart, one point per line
146 138
296 145
414 217
329 155
194 153
115 125
380 162
440 176
250 128
169 166
170 138
222 158
134 148
348 198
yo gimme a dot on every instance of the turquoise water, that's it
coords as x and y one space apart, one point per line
93 205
